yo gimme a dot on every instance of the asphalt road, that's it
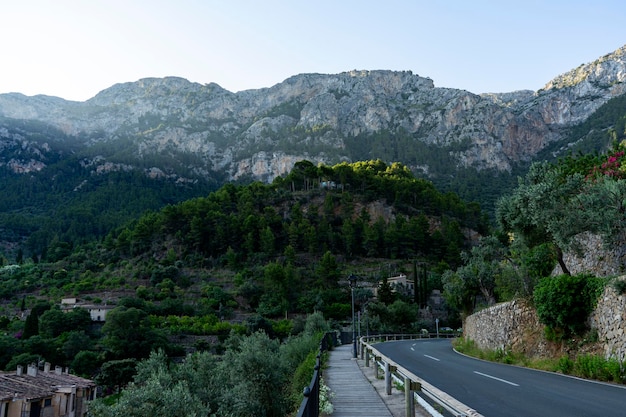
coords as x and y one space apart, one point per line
497 390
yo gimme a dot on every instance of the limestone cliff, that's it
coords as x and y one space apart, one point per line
323 118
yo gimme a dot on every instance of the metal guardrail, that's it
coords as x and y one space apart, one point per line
309 407
413 385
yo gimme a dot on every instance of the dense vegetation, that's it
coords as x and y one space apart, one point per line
255 376
28 212
245 258
549 213
68 200
552 209
583 365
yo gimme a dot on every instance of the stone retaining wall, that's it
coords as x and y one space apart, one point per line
507 326
515 326
609 318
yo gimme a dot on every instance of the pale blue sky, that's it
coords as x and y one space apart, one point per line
75 48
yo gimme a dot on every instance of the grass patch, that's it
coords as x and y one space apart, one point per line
583 366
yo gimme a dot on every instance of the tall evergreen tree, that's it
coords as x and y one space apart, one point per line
31 326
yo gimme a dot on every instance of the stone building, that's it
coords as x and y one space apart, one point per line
399 284
47 393
97 312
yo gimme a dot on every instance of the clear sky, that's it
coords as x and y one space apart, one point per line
75 48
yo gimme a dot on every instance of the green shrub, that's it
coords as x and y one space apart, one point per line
596 367
590 366
466 346
552 334
253 378
565 365
564 302
616 371
302 378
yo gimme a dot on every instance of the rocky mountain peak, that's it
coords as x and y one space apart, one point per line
324 118
143 89
602 73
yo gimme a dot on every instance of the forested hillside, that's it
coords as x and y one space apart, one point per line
242 258
56 188
205 275
51 191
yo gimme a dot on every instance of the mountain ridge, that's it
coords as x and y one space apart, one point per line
201 135
350 103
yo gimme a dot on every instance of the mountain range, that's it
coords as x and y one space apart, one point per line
188 138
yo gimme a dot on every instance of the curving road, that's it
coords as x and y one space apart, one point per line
497 390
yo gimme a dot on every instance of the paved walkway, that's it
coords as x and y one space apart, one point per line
354 394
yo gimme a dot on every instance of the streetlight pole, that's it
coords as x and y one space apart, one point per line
352 279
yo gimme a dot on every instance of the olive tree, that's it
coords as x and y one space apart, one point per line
252 376
483 266
161 390
545 208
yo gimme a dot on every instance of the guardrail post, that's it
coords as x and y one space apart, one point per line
409 397
307 394
388 370
376 359
387 379
411 387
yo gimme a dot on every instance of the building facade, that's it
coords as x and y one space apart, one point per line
44 393
97 313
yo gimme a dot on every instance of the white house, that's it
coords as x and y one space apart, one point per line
97 312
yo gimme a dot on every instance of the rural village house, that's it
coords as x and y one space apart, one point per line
46 393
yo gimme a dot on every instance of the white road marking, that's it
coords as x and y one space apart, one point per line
497 379
431 357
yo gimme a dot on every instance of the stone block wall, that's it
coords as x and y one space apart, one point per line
514 325
609 318
507 326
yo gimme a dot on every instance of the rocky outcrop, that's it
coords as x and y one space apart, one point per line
596 257
262 132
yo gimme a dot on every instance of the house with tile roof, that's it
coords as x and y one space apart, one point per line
44 393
